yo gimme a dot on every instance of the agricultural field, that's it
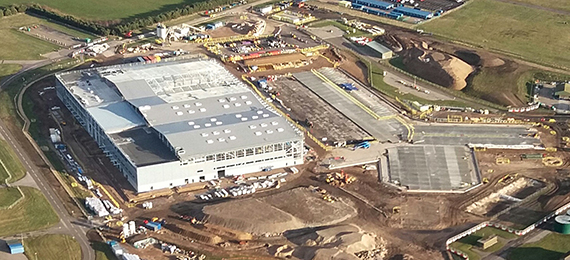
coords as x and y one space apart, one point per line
15 45
52 247
24 217
551 247
508 28
9 196
107 9
553 4
12 164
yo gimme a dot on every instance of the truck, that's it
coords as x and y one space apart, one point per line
348 86
362 145
154 226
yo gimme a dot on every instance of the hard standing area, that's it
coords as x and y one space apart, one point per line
432 168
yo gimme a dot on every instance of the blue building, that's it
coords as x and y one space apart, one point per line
15 246
375 4
413 12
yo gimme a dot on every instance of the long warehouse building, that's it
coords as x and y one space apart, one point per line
173 123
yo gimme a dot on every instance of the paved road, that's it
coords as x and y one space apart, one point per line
66 221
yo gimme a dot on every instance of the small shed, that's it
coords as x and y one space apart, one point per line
15 246
563 91
487 242
383 51
343 3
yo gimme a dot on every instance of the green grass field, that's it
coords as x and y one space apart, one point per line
106 9
15 45
551 247
9 69
8 196
512 86
554 4
52 247
32 213
467 243
11 162
535 35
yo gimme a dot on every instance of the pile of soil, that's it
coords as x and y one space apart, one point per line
276 213
440 68
332 242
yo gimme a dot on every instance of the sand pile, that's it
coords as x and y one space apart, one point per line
332 242
440 68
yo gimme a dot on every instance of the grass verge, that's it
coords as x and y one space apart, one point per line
507 28
551 247
9 69
7 109
103 251
32 213
353 31
377 81
52 247
8 196
12 164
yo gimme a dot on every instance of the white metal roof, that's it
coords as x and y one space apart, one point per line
198 106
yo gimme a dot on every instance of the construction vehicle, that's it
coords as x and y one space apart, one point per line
362 145
190 219
396 210
485 180
507 178
337 179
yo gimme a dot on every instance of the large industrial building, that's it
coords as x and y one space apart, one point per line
172 123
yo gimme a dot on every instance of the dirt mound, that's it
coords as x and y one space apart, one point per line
496 62
332 242
188 231
437 67
468 56
288 210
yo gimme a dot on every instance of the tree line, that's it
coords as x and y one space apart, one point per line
120 28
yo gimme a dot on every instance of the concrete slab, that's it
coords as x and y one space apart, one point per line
383 130
448 134
432 168
345 157
327 32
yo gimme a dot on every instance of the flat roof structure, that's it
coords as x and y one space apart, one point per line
198 107
413 12
378 47
375 3
433 168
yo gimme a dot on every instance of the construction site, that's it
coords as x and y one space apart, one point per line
374 182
